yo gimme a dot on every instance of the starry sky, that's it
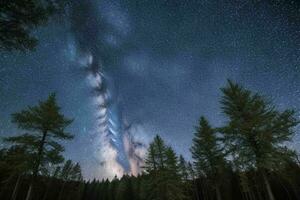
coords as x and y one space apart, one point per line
165 61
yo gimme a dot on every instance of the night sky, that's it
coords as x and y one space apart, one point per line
164 62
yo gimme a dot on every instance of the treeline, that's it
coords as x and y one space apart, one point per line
247 158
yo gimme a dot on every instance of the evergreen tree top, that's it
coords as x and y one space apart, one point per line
44 117
256 129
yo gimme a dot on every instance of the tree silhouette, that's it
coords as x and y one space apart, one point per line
19 17
68 172
162 166
256 131
207 154
46 126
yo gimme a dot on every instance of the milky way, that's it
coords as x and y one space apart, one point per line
115 144
162 62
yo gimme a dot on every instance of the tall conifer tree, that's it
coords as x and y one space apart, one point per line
256 131
208 156
45 125
164 176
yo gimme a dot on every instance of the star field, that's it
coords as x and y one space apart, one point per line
167 61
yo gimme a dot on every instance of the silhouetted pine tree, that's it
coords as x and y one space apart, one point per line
125 189
192 177
16 162
18 18
207 154
113 188
151 163
51 175
164 181
256 131
69 172
46 125
183 169
172 177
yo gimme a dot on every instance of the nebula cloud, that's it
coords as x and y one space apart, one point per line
118 147
134 143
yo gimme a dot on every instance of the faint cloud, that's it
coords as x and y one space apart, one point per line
137 63
114 15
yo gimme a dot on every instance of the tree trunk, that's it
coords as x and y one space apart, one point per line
252 195
37 165
296 192
202 190
268 187
47 189
28 196
15 192
61 191
257 189
83 192
246 194
286 190
6 183
196 189
218 193
195 186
